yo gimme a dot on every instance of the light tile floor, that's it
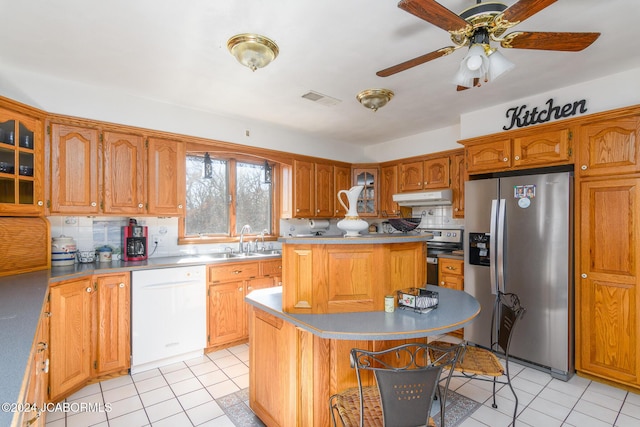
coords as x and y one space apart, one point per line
211 391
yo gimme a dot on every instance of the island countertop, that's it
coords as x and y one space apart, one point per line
365 239
455 310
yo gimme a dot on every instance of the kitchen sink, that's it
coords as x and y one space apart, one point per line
221 256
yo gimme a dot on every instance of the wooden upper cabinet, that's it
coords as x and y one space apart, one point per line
607 297
543 148
341 181
124 174
304 189
167 177
74 169
436 173
458 177
324 193
609 147
368 198
411 175
388 187
488 156
21 164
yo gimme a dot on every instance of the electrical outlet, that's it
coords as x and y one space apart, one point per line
156 240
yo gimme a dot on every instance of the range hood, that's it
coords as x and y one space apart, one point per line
424 198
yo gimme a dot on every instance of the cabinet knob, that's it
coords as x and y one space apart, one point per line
517 157
450 267
179 206
297 210
237 271
456 209
506 159
89 289
40 203
140 205
94 204
318 210
240 289
583 167
121 285
442 283
250 288
583 275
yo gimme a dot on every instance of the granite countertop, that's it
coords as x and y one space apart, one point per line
365 239
455 310
22 298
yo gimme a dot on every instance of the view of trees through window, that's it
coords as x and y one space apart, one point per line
209 210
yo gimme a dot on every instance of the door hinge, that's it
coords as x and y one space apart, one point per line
48 129
208 338
95 286
100 137
146 143
48 390
570 135
570 151
95 365
48 204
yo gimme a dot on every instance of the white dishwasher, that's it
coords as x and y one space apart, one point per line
168 316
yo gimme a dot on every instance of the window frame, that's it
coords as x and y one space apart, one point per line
233 159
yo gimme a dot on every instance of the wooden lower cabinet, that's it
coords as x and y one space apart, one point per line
229 283
607 297
451 275
292 372
89 331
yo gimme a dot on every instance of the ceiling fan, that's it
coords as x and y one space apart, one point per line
480 25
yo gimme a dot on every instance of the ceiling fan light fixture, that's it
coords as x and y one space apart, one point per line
498 64
374 98
252 50
476 59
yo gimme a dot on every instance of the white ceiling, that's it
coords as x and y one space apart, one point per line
174 51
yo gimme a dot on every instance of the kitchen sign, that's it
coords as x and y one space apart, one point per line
521 117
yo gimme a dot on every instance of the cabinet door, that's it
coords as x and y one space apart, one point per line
74 169
436 173
543 149
341 181
458 177
388 187
167 179
489 156
125 180
411 175
21 165
304 189
226 313
70 335
324 190
609 147
607 290
113 346
368 198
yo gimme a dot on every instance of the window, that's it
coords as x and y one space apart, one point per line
235 195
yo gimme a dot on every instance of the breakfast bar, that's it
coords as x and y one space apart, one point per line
332 300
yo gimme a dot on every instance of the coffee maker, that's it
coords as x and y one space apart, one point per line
134 239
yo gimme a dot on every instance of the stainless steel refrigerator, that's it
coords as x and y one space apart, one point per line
519 234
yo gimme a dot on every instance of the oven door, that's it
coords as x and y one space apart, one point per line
432 270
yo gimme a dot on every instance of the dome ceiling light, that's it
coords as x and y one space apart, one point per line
252 50
374 98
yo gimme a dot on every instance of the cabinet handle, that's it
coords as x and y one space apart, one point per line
89 289
40 203
46 366
517 157
237 271
47 314
583 167
583 275
449 267
121 285
179 206
94 204
34 419
42 346
506 159
140 205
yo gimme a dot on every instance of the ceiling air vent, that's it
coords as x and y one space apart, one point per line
320 98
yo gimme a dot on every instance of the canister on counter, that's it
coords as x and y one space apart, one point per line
389 304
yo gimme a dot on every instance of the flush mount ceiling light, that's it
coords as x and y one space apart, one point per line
374 98
252 50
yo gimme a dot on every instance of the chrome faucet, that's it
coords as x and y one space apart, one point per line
245 228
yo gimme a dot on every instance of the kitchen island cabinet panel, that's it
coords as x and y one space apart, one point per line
74 169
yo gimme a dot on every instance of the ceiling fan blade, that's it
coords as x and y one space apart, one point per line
416 61
567 42
523 9
433 12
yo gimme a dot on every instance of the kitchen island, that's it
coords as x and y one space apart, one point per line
332 300
298 360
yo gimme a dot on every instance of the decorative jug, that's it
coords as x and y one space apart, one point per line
352 224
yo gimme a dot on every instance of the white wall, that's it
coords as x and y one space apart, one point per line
75 99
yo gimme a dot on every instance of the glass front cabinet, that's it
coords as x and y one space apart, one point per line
368 199
21 164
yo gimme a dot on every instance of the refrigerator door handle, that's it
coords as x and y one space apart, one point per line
493 246
500 244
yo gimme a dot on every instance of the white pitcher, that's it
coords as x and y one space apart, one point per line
352 224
